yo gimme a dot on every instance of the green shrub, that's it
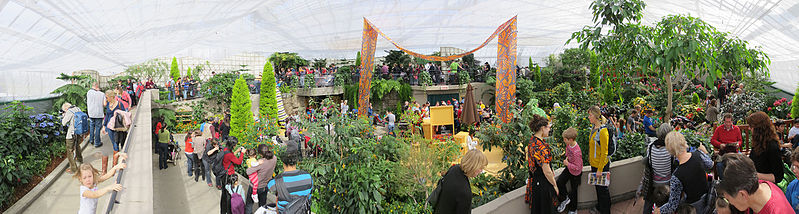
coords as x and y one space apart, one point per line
28 145
267 105
220 87
355 172
173 70
425 79
240 105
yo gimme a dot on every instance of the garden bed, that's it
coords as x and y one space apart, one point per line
22 190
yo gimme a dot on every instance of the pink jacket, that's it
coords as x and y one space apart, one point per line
126 119
575 156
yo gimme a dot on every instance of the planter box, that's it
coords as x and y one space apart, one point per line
624 179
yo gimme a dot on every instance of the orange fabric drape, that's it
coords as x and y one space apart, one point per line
506 64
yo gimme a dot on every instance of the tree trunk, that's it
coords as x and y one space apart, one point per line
669 101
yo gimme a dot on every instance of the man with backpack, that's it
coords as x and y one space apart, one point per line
77 124
293 187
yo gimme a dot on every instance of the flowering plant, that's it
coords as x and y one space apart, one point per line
780 108
741 105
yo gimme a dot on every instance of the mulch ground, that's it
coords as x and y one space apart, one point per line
20 191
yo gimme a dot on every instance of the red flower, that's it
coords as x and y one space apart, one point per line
769 108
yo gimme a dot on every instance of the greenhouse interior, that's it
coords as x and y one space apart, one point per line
275 106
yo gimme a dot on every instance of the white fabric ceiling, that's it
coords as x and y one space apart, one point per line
41 38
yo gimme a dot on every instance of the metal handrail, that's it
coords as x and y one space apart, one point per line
121 172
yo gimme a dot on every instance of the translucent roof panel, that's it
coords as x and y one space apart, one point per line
40 39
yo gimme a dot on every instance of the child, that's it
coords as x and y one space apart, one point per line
189 150
236 193
574 165
89 177
252 161
792 191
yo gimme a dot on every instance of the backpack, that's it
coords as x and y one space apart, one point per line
236 202
217 166
81 122
612 138
297 204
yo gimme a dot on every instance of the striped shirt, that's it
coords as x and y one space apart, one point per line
661 162
298 182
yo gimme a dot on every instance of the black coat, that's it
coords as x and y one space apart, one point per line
456 195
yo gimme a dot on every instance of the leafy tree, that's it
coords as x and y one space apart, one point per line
153 68
678 49
240 105
267 105
319 63
220 87
74 92
396 57
287 60
795 104
173 71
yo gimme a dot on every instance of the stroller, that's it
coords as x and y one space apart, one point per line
174 151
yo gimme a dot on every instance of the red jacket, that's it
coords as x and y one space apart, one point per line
722 135
231 158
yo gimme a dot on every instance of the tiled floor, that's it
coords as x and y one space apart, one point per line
623 207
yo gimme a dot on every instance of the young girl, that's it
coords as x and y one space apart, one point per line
233 187
89 177
252 161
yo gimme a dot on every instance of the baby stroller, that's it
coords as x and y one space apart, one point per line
174 151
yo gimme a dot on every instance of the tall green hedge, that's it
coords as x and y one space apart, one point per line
267 105
240 105
173 71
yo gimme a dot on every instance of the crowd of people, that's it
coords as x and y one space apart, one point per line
212 156
105 123
184 88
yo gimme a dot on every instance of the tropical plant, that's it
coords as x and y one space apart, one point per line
463 77
396 58
310 80
74 92
425 79
169 117
287 60
29 144
677 48
781 108
343 76
513 138
220 87
188 72
741 105
240 105
357 172
267 104
174 72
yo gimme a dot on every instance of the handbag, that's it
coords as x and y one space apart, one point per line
646 182
119 123
436 194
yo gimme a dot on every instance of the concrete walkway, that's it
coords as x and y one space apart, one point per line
64 194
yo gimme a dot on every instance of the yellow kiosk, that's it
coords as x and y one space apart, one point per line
439 116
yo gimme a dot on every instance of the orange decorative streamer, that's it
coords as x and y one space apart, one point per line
506 64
